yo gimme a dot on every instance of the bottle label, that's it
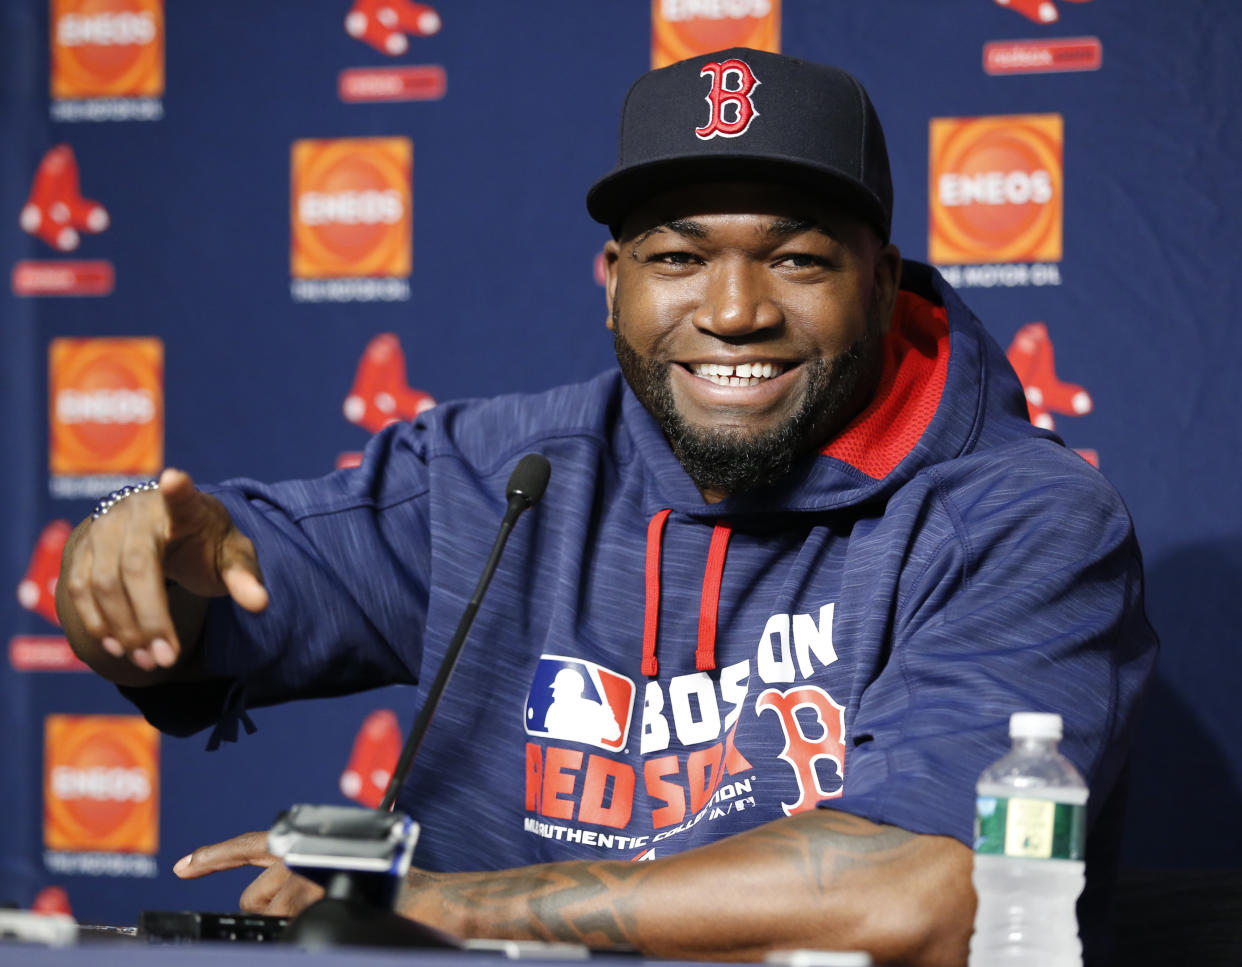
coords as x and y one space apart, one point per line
1030 828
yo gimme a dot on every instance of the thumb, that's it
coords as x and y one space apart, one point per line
231 562
239 570
245 585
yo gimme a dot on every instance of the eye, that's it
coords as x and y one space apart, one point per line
802 260
674 258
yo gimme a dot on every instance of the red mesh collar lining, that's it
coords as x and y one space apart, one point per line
916 360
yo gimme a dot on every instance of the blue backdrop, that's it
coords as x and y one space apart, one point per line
500 295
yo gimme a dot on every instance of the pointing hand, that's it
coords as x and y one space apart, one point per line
113 589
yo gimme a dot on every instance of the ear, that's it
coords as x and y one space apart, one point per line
612 257
886 282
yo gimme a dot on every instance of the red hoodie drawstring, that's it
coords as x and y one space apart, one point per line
705 654
709 604
651 611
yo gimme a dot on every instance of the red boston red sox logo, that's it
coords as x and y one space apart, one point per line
805 752
732 110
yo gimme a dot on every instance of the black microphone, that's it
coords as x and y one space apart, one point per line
526 485
528 481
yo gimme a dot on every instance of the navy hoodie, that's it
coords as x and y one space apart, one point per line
650 672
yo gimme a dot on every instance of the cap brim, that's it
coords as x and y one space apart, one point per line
620 192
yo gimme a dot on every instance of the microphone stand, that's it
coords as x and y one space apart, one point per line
361 856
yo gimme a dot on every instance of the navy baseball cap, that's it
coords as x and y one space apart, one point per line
748 115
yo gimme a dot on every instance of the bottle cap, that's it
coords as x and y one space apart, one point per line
1035 725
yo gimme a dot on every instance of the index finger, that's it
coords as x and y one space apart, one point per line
248 849
144 584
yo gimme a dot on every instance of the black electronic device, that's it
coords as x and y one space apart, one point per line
186 926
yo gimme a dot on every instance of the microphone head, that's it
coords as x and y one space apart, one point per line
529 480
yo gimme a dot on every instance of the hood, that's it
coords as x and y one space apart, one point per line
946 390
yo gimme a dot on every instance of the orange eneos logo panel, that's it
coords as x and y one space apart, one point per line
107 48
107 406
996 189
351 207
687 28
100 784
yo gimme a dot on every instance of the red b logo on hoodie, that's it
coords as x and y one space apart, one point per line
721 97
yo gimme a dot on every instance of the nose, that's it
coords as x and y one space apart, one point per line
737 301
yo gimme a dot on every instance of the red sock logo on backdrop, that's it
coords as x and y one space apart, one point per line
1032 358
56 211
376 750
380 394
1040 11
52 900
384 23
37 590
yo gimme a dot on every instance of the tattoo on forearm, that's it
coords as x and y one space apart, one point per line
623 904
582 902
590 907
826 844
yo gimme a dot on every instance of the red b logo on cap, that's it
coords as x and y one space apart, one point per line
721 96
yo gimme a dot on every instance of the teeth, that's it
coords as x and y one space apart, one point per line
745 374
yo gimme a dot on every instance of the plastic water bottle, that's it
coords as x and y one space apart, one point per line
1030 831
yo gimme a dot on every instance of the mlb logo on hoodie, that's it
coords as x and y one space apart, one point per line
579 701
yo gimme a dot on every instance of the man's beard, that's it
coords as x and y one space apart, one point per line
734 461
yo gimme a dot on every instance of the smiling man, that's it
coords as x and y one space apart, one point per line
753 324
804 552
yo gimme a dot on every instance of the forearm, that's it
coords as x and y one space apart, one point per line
822 879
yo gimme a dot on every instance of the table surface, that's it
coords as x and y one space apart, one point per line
139 953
